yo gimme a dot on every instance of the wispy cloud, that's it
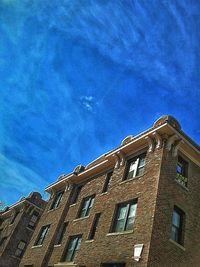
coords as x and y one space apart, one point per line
88 102
17 179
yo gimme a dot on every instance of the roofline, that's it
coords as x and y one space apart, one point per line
19 203
136 138
106 155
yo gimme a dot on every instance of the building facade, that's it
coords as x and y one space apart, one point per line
137 205
17 224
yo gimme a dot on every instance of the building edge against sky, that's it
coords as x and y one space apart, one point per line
17 224
133 206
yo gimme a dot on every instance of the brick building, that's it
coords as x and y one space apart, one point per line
17 224
137 205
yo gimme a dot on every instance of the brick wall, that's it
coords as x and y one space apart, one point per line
106 247
163 251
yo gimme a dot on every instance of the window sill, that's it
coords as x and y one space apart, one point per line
177 244
37 246
65 264
51 210
120 233
72 205
89 241
104 193
130 180
29 228
79 219
181 185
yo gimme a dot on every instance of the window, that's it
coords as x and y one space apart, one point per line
76 192
107 182
62 232
177 225
94 226
86 205
181 171
20 249
135 167
73 247
33 220
125 216
42 234
1 230
3 241
56 201
14 217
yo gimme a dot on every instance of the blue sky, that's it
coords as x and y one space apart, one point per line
76 77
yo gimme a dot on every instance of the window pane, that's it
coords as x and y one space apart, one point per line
140 171
141 162
73 246
107 182
179 168
122 212
132 169
120 225
87 203
125 216
21 245
42 234
174 234
176 219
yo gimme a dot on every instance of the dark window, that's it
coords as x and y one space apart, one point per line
94 226
125 216
3 241
56 201
107 182
177 225
42 234
20 249
86 205
62 232
72 248
14 217
76 192
1 230
181 171
33 220
135 167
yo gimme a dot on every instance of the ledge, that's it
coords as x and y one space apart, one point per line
79 219
30 228
120 233
182 186
65 264
38 246
104 193
89 241
177 244
72 205
51 210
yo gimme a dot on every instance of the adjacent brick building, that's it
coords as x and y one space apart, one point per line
137 205
17 224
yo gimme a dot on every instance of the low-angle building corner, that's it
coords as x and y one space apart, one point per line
137 205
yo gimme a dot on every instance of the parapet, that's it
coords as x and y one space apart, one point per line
169 119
